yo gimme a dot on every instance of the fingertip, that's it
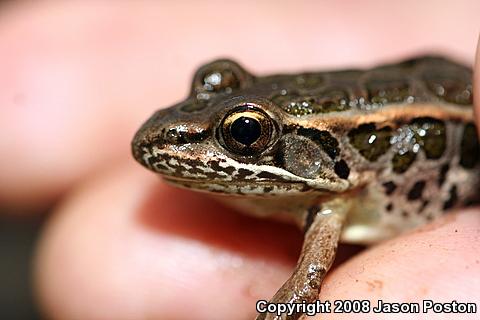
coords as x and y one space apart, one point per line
436 261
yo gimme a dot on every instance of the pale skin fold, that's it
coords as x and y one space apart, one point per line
78 78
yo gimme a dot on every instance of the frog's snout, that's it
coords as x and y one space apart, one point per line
161 130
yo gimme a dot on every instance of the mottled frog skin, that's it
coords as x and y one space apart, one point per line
354 155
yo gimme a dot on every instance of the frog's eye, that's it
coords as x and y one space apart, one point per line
246 130
221 76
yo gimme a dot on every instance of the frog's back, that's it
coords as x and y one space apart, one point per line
405 139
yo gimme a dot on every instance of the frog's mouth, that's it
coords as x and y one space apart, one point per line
263 188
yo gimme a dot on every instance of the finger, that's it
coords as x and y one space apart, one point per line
79 77
436 262
137 249
77 80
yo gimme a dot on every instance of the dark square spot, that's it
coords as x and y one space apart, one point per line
390 187
341 169
416 192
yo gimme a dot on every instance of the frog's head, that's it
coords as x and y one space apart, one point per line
229 137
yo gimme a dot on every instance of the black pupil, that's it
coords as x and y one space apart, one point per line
245 130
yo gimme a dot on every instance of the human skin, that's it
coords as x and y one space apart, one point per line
79 78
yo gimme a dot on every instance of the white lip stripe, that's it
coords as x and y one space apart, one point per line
226 163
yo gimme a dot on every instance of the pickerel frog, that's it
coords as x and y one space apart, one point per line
357 155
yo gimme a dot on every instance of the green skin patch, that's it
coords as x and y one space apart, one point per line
297 105
401 162
431 136
370 142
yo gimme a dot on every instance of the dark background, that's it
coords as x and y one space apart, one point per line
17 241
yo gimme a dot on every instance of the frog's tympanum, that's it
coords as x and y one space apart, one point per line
357 155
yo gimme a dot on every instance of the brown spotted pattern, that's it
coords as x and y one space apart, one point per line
355 155
401 131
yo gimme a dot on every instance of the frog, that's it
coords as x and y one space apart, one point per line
353 156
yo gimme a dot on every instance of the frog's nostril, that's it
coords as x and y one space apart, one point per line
176 135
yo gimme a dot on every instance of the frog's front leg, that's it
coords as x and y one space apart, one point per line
323 227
